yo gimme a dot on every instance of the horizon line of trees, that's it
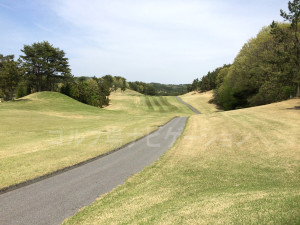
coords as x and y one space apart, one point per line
157 89
142 87
170 89
266 70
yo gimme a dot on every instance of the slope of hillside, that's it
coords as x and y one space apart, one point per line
200 101
47 131
235 167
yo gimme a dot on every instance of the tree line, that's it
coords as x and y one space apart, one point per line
43 67
158 89
207 82
170 89
143 88
92 90
266 70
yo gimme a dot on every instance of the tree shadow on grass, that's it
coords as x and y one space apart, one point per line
16 100
21 100
295 108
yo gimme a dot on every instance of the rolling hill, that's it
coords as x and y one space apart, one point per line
48 131
233 167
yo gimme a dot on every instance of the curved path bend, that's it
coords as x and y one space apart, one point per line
54 199
188 105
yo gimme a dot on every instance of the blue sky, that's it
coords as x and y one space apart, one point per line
166 41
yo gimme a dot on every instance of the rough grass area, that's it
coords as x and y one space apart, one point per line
200 101
235 167
47 131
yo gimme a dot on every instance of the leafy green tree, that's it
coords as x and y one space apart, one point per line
92 91
118 82
293 16
262 72
207 82
46 64
10 76
104 91
21 90
124 85
109 80
221 76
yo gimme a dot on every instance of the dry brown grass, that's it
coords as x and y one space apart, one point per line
200 101
234 167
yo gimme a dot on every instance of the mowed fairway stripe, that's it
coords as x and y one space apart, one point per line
156 102
167 104
52 200
148 103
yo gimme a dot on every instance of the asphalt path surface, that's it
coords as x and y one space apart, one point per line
191 107
54 199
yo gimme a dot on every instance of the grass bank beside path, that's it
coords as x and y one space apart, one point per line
234 167
200 101
47 131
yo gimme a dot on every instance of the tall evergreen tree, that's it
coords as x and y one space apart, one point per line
45 63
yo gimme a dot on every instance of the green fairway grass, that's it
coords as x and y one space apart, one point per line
47 131
234 167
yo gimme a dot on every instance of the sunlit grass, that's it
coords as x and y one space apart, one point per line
200 101
235 167
47 131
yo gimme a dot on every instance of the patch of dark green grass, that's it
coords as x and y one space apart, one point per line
156 102
148 103
167 103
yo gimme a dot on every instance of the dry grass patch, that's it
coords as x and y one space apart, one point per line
235 167
200 101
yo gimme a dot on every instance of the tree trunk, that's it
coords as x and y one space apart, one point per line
49 82
11 95
6 96
38 87
39 83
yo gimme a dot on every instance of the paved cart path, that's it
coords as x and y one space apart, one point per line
191 107
54 199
